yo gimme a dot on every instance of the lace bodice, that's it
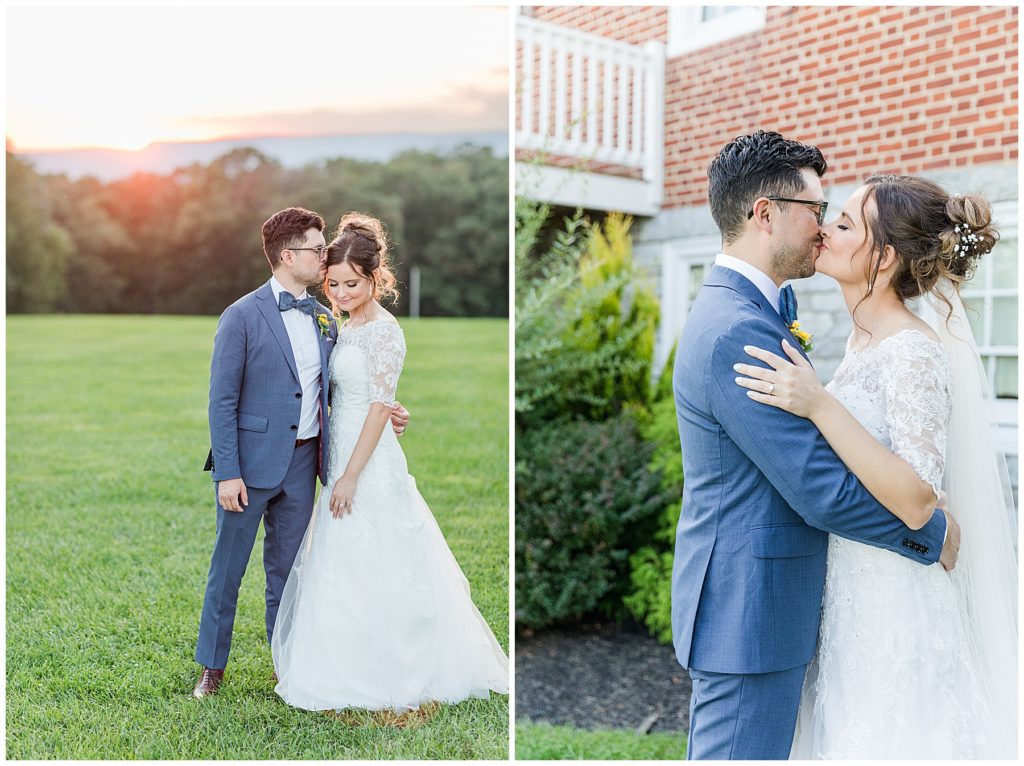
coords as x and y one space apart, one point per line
899 390
364 368
372 373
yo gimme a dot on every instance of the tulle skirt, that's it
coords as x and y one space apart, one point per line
377 614
896 674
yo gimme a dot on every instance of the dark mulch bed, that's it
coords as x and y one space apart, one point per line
600 676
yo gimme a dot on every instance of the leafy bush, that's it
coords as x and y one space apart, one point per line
585 499
650 596
584 329
38 248
614 323
586 496
650 600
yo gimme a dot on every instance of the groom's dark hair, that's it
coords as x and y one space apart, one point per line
287 228
763 164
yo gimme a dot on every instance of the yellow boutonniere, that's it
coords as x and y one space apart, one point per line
805 339
323 324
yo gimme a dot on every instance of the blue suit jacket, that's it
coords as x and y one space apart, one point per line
255 394
762 489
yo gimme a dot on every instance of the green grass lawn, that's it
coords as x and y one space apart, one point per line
110 525
544 742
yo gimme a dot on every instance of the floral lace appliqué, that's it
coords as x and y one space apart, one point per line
384 344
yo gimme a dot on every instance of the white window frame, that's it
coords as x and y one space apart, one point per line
688 32
981 295
677 257
1003 412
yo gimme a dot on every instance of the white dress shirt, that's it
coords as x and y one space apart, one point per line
761 281
306 349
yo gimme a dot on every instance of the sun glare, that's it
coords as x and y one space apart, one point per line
123 86
126 143
122 137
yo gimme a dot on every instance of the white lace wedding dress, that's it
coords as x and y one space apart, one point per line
896 675
376 613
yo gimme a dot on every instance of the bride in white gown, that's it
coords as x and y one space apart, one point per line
912 662
376 613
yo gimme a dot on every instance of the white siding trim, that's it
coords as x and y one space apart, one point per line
686 31
595 191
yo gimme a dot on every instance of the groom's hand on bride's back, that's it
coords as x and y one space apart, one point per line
399 418
232 495
951 548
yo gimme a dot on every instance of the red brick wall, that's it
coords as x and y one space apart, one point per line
629 24
877 89
889 89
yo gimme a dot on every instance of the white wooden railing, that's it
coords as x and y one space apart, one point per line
584 96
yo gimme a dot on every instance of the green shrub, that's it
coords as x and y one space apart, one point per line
614 324
587 495
650 593
585 499
650 598
584 328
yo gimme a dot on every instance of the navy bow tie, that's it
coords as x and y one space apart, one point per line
787 305
287 301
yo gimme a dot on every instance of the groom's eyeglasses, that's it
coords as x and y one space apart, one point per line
822 206
318 250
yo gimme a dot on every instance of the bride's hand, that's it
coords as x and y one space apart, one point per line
341 496
789 385
399 418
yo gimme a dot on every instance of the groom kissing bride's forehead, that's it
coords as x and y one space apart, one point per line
268 399
366 607
805 600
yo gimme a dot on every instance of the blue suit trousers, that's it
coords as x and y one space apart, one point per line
285 511
748 717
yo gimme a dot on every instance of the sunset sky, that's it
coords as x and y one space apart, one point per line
122 77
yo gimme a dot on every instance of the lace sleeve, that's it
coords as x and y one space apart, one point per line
915 377
385 354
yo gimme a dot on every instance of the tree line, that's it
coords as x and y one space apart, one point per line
189 242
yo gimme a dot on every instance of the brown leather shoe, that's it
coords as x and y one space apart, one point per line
273 678
208 683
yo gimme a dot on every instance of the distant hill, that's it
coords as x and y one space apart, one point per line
291 151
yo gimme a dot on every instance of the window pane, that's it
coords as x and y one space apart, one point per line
709 12
1005 384
1004 263
980 281
696 279
1004 321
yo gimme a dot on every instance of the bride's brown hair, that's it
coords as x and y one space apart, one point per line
934 234
362 242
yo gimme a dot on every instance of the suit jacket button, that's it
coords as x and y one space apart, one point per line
295 428
298 395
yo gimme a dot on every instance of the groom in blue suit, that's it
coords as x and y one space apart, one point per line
268 416
763 488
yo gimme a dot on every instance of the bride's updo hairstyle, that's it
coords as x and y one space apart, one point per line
934 234
361 242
